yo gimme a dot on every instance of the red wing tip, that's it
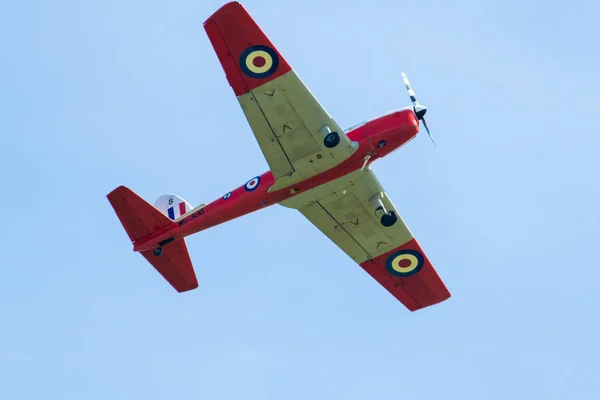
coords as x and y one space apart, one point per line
187 288
232 5
438 300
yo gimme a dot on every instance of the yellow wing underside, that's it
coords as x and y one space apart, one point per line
287 121
342 210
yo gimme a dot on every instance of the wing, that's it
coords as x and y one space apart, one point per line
344 210
290 125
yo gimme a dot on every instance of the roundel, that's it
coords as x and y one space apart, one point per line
404 263
259 61
252 184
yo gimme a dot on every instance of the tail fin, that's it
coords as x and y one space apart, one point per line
141 219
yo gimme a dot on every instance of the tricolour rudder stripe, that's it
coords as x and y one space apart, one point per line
246 54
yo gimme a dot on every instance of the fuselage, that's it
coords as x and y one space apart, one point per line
376 138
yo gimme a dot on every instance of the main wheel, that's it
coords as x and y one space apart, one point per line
158 251
331 140
388 219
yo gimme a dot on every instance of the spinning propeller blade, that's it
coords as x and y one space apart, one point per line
418 109
429 133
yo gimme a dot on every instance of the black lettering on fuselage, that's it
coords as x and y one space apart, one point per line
191 217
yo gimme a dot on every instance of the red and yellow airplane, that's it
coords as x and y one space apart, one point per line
315 167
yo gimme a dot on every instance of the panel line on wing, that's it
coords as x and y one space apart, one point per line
256 100
345 230
272 130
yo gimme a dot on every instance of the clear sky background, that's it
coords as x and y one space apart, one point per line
97 94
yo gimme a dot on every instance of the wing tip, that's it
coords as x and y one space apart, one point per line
230 6
239 42
415 290
440 299
187 288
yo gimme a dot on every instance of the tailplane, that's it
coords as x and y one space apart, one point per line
141 219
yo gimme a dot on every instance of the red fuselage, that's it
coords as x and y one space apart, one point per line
376 138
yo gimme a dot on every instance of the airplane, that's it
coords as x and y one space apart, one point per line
315 167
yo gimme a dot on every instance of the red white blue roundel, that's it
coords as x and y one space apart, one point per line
259 61
252 184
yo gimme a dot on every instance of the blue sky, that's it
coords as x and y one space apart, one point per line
98 94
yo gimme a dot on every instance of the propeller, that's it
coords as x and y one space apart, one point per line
419 109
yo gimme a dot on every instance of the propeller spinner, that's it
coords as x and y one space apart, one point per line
419 109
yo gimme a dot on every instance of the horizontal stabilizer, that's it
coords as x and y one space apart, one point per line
141 219
174 265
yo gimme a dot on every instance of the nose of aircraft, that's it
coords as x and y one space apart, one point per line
420 111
